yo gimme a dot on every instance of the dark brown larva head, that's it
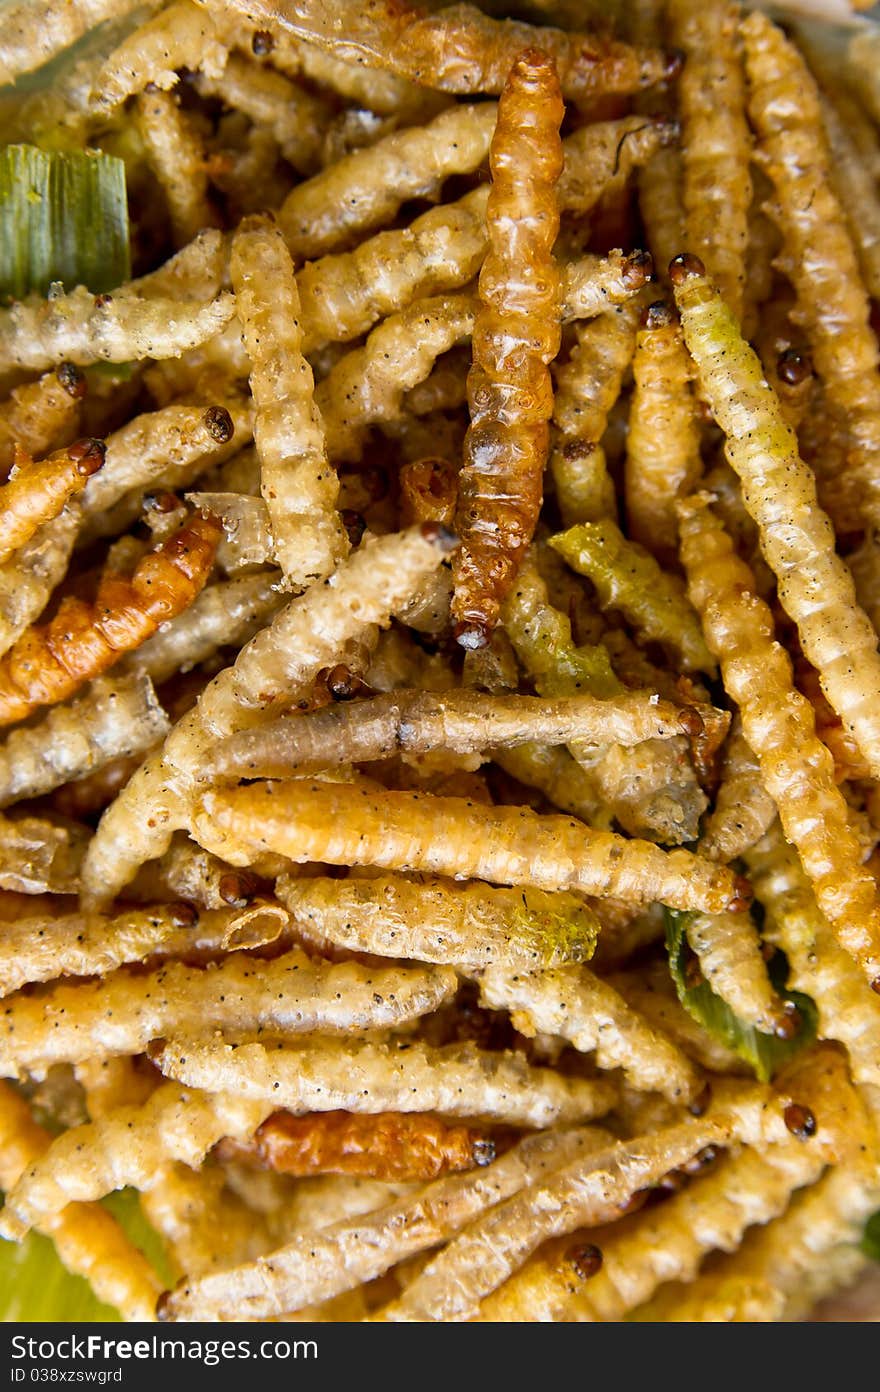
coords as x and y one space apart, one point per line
354 525
72 380
585 1259
682 267
659 315
638 268
800 1121
183 914
793 367
88 456
237 888
218 423
790 1022
262 43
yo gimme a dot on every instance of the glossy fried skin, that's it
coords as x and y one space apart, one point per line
398 1146
515 337
47 664
38 492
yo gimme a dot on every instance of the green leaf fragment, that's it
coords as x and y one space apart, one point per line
765 1053
870 1243
63 218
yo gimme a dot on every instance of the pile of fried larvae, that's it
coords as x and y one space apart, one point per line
440 665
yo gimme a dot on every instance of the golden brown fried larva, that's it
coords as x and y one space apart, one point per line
347 825
295 117
247 539
729 951
83 328
177 158
796 768
326 1074
37 492
122 1012
815 587
299 487
861 54
271 672
38 856
663 441
202 1222
628 578
231 611
28 45
459 49
43 415
87 1238
181 36
857 192
516 335
743 808
573 1004
819 256
116 716
716 143
587 386
464 925
316 1265
562 780
461 721
47 665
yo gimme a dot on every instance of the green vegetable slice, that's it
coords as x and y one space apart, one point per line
765 1053
63 217
870 1243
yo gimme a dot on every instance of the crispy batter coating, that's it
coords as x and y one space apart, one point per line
465 925
820 259
117 716
563 781
628 578
36 493
38 856
46 665
729 952
574 1004
663 441
387 1145
231 611
294 117
587 386
83 328
516 335
177 157
41 416
815 587
314 1266
716 143
326 1074
796 768
857 191
459 49
273 671
122 1012
87 1238
743 808
183 35
861 54
202 1222
27 45
297 482
347 825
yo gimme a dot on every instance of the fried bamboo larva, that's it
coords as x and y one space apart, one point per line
344 825
116 715
27 45
572 1003
39 857
858 195
230 612
663 441
584 1193
202 1222
820 259
716 143
778 722
299 487
41 416
37 492
82 328
743 808
815 587
587 386
128 1146
465 925
42 947
516 335
460 49
196 272
562 780
861 55
667 1243
729 952
47 665
177 158
186 871
318 1264
295 117
327 1074
628 578
182 35
121 1013
818 966
272 671
366 188
87 1238
417 722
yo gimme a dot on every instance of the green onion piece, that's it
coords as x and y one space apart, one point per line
870 1243
765 1053
63 218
